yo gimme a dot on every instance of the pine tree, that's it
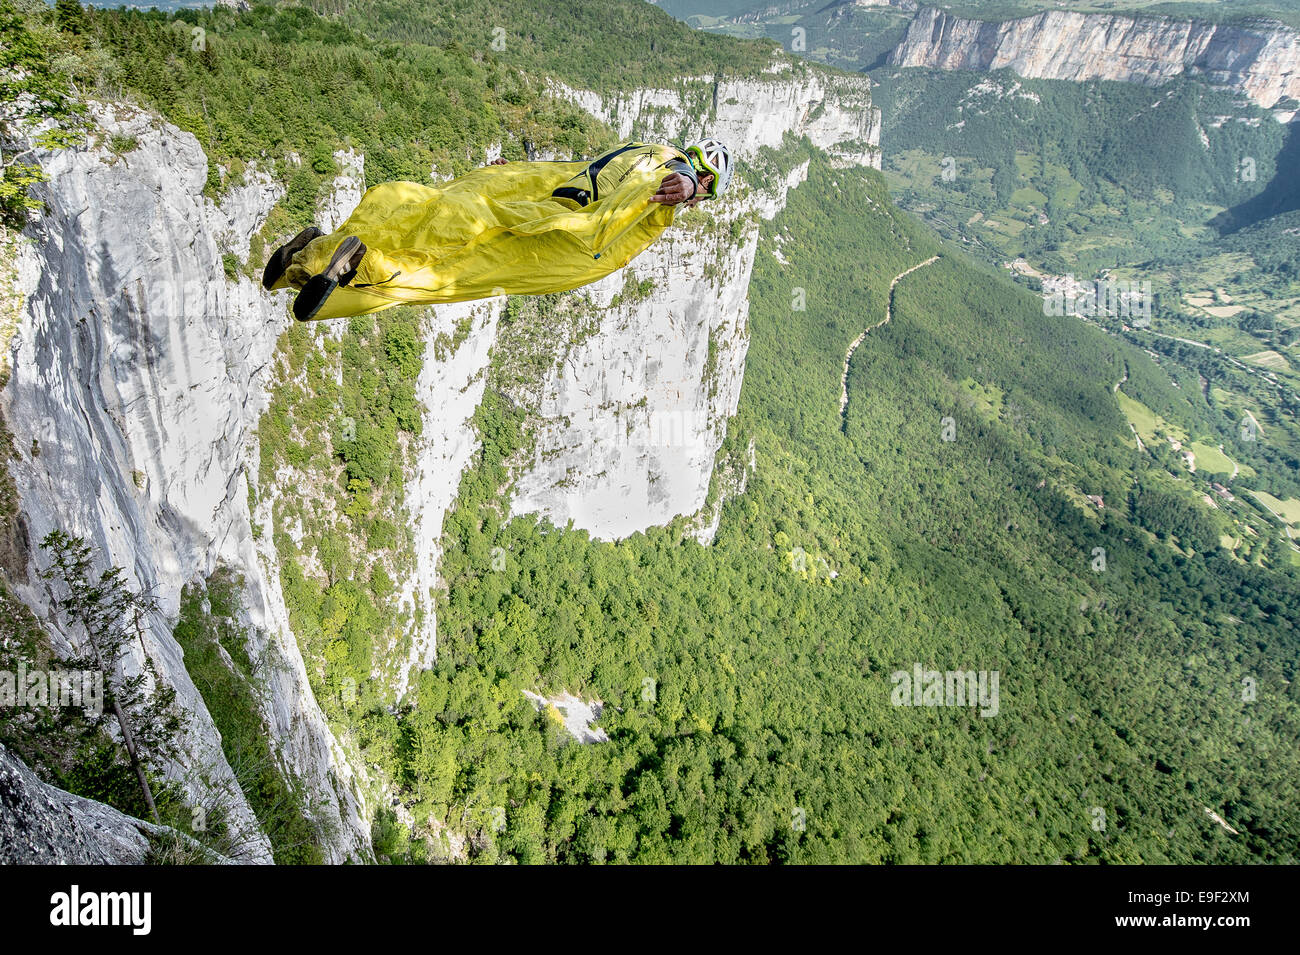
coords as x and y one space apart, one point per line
109 614
69 16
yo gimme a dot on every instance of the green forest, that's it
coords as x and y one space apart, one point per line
770 703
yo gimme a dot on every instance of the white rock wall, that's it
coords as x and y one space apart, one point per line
834 112
635 413
138 371
1260 60
450 387
632 419
349 186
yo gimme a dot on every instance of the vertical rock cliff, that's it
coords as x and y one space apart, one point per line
632 416
1260 59
136 386
833 110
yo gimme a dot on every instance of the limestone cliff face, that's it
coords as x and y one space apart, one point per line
633 415
834 112
450 387
42 825
1261 59
135 391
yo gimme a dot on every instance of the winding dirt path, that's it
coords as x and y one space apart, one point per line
889 313
1114 391
1235 470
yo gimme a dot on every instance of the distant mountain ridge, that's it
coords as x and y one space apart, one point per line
1261 61
1255 55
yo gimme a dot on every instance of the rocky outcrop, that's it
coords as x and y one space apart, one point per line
579 716
135 393
348 188
43 825
631 417
1260 59
450 387
242 209
833 111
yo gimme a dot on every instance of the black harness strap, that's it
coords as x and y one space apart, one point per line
580 196
594 169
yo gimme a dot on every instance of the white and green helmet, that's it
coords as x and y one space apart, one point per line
709 155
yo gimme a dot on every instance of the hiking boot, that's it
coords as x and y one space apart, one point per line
281 257
341 270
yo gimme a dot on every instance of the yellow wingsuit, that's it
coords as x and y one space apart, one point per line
523 228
